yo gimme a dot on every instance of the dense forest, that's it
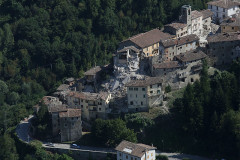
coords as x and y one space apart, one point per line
42 42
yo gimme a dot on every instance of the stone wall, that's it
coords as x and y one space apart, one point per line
81 154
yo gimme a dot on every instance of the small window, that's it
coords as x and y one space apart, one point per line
144 96
141 103
158 91
130 89
150 86
131 103
65 124
143 89
135 89
151 91
100 109
136 95
126 156
232 28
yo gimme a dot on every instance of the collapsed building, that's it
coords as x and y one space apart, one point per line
93 105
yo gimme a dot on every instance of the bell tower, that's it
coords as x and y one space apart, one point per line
186 14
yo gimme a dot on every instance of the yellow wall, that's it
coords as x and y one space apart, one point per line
148 50
225 29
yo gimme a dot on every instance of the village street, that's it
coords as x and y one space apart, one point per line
22 131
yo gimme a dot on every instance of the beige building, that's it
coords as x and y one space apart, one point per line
93 105
172 47
135 151
230 25
143 94
147 43
220 48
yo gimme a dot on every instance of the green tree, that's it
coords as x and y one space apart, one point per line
8 148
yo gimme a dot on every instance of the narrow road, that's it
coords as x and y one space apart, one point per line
22 131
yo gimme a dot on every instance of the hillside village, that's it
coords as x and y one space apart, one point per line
143 66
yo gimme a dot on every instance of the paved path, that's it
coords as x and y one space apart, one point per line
22 131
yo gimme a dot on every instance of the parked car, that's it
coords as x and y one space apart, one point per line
50 144
75 146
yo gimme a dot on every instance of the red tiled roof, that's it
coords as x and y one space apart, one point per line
148 38
191 56
70 113
137 150
143 83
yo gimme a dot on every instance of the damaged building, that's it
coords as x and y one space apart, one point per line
184 69
221 48
93 105
172 47
144 94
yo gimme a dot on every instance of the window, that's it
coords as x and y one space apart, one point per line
141 103
159 84
131 158
144 96
158 91
136 95
131 103
217 7
151 91
150 86
100 109
143 89
81 106
232 28
135 89
81 100
130 89
126 156
65 124
73 124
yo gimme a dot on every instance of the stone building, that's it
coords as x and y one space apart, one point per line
183 70
230 25
190 22
147 43
223 9
220 48
177 29
135 151
172 47
93 105
143 94
70 125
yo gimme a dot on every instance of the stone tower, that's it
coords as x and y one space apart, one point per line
186 14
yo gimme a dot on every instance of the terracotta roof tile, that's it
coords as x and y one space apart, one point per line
224 37
206 13
191 56
231 22
145 82
196 14
89 96
149 38
167 65
176 25
223 4
133 149
180 41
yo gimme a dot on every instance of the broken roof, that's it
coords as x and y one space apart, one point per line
191 56
195 14
180 41
145 82
224 37
148 38
70 113
176 25
167 65
135 149
93 71
128 48
224 3
231 22
89 96
57 108
206 13
63 87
